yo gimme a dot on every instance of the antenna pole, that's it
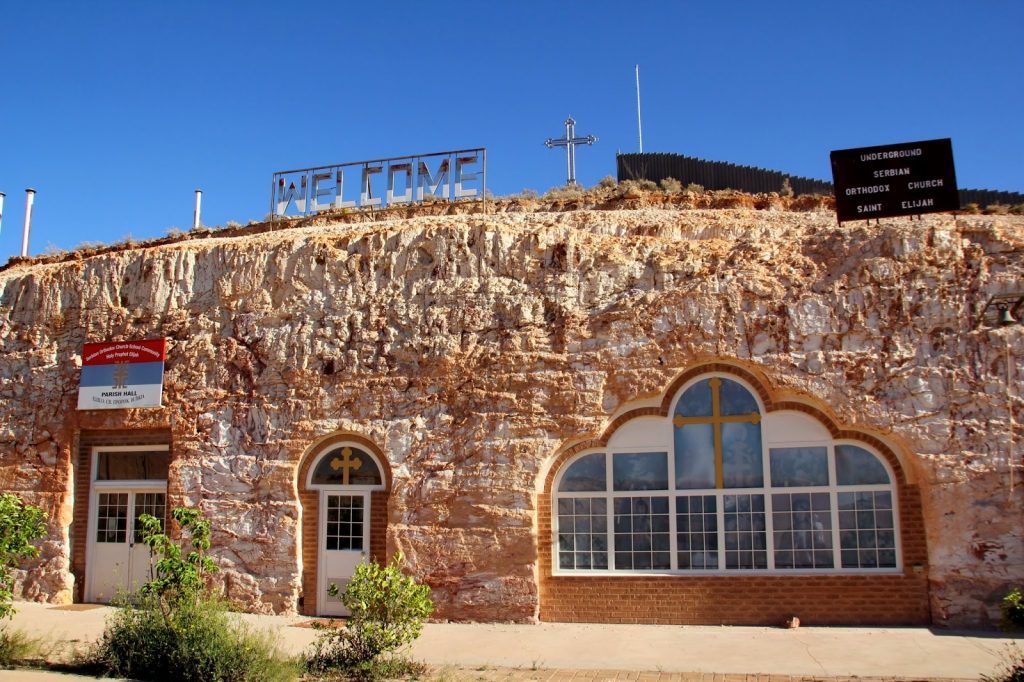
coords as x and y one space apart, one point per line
639 125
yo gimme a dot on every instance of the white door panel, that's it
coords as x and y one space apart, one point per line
344 542
118 559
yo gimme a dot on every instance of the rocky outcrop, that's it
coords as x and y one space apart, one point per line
472 348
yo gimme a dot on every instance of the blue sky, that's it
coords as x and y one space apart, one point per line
117 112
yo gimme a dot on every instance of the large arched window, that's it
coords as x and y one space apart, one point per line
722 487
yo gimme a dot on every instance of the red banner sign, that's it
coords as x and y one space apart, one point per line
117 352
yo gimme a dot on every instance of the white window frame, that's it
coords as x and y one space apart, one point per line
767 490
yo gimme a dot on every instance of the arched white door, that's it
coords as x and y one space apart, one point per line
345 475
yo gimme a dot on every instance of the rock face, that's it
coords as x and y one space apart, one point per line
471 349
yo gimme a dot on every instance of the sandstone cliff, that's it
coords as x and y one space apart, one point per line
471 348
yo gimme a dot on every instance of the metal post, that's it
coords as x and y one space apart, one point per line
2 195
195 214
639 126
30 195
485 181
273 200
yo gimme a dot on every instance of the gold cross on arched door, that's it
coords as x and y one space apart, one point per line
346 463
716 420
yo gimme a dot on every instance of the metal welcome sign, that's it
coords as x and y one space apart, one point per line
458 174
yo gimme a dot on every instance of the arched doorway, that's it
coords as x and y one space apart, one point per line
343 489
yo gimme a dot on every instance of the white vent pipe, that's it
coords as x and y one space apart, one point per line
30 195
195 214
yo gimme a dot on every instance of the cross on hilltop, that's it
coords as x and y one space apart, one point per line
569 142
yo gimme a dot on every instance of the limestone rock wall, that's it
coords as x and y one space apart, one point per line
472 348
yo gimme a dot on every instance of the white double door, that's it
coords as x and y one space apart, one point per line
118 561
343 544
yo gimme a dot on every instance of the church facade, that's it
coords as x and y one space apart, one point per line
650 414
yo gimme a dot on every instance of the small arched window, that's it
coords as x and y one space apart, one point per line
346 464
720 495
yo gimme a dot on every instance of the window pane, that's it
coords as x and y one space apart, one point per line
153 504
696 402
639 542
741 455
696 532
346 466
803 538
132 466
341 535
793 467
857 466
112 517
866 536
585 474
735 399
582 533
744 532
694 456
640 471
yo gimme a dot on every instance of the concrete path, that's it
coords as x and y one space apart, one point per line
585 651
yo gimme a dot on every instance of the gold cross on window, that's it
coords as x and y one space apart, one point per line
716 420
346 463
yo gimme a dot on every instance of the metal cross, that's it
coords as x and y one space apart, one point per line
569 142
347 463
716 420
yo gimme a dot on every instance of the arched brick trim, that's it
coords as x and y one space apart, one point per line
756 382
855 599
309 500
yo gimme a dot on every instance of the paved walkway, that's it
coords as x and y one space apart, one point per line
561 651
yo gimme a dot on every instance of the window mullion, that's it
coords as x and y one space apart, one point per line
769 528
673 560
837 556
720 513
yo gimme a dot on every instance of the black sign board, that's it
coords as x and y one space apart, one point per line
896 179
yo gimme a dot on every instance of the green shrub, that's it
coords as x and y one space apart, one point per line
607 182
199 641
787 188
20 524
1012 607
672 186
176 628
564 192
178 579
1011 668
17 647
387 610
